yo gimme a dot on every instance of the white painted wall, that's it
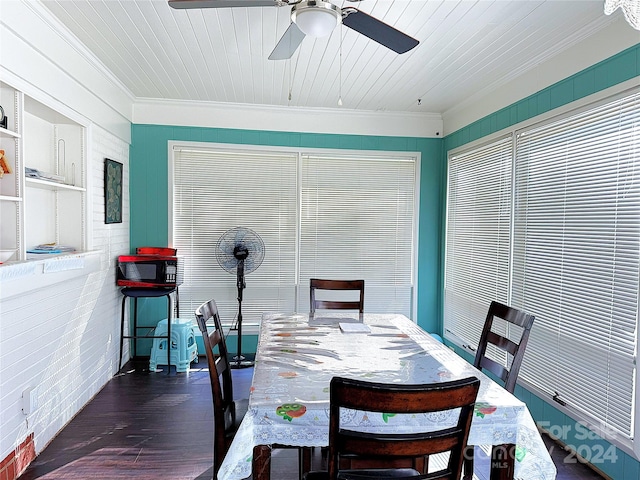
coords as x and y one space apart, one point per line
63 340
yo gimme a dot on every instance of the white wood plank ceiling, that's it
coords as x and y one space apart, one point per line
220 55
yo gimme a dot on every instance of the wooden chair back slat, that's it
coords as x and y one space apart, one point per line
345 285
516 350
400 399
509 373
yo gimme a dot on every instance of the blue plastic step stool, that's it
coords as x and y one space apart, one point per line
184 349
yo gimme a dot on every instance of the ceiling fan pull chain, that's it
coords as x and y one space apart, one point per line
340 71
290 86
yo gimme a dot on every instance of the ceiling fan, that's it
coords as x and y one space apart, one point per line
315 18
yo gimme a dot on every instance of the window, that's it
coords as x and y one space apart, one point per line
478 235
323 214
216 190
357 218
574 258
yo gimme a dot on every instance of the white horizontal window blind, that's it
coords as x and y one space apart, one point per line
573 230
216 190
477 238
357 222
325 216
577 258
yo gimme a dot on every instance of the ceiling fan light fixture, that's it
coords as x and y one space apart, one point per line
316 18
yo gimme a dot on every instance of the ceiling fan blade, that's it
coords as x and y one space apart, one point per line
180 4
378 31
288 44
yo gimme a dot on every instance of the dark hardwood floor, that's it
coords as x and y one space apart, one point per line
157 426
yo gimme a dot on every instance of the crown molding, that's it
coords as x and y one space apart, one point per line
286 119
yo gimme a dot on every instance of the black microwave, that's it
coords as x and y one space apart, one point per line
149 271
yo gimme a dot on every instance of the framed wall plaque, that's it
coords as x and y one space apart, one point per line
112 191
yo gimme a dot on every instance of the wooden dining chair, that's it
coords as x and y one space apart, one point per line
513 349
227 412
493 343
316 284
363 448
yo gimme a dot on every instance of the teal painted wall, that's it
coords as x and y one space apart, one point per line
148 180
622 67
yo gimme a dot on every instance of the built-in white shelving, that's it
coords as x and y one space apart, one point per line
39 210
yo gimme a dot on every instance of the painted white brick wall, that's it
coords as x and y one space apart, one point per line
64 340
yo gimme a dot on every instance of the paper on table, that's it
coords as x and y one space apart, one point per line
331 321
354 328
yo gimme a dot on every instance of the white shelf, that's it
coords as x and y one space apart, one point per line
9 198
8 133
50 185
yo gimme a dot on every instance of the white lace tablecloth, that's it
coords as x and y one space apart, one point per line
295 361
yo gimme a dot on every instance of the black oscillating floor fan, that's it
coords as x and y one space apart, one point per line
240 251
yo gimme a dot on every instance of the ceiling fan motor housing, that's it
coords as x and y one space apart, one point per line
316 18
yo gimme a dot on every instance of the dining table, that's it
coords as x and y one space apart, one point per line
297 356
